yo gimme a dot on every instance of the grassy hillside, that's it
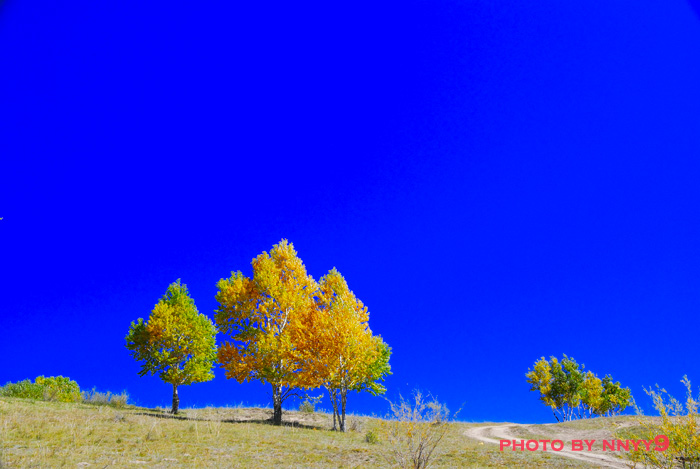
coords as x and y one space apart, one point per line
54 434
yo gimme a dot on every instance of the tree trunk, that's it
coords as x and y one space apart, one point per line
334 402
343 401
176 400
277 404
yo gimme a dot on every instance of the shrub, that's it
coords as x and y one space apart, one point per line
413 430
119 400
354 424
25 389
58 388
679 423
105 398
52 388
309 404
371 437
307 407
96 398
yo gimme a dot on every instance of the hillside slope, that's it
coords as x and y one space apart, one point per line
53 434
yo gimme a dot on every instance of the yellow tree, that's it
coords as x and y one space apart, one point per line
266 317
176 342
343 351
592 394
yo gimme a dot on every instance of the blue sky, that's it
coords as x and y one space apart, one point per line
496 180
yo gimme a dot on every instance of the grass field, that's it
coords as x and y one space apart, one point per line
54 434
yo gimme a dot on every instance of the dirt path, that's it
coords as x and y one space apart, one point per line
494 433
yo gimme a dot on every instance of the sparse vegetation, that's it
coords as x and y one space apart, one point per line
309 404
414 430
678 422
58 434
105 398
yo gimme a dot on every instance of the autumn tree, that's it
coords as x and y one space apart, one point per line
573 393
266 317
344 353
176 342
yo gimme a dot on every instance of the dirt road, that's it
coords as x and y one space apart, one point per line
494 433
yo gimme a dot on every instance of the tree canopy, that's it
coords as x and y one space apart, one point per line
347 356
573 393
267 318
294 333
177 342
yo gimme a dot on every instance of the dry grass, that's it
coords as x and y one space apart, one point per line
54 434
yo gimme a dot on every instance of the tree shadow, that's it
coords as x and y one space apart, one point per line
285 423
289 423
166 416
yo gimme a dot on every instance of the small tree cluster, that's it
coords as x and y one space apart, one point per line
293 333
286 330
574 393
678 422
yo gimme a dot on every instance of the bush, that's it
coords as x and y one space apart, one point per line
371 437
354 424
309 404
307 407
58 388
105 398
119 400
678 423
413 430
52 388
25 389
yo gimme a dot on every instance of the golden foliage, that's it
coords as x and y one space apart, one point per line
678 424
266 317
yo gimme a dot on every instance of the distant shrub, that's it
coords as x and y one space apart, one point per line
95 397
371 437
354 424
119 400
59 388
309 404
25 389
307 407
51 388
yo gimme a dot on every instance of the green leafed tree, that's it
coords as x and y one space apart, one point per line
573 393
177 342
